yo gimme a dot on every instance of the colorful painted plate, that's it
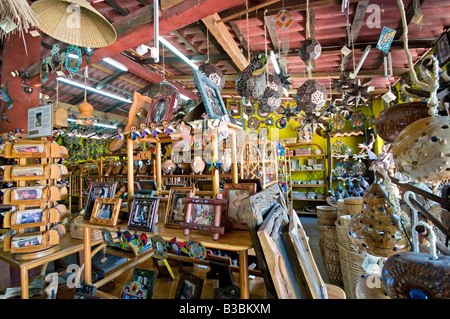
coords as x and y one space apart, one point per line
196 250
159 246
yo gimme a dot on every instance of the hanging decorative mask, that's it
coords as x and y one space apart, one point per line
421 150
377 230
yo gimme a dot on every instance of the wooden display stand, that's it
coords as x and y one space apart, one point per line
47 153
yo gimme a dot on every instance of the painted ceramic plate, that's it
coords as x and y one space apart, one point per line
196 250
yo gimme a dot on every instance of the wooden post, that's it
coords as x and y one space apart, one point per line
234 165
243 274
215 174
130 168
87 255
24 282
157 168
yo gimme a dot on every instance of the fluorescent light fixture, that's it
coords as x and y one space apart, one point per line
184 97
73 56
116 64
97 124
274 62
175 51
82 86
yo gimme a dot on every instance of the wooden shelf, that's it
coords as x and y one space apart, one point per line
196 176
308 199
308 170
308 185
312 155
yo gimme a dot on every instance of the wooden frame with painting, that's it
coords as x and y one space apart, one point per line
106 211
143 214
161 109
189 287
234 194
98 190
176 210
443 49
203 214
211 97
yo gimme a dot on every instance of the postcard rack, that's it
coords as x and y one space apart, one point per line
34 195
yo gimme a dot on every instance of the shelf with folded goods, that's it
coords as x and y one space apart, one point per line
308 185
310 199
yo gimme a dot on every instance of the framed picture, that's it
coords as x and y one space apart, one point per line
175 211
98 190
161 109
146 278
143 214
26 193
29 216
234 194
234 108
133 290
106 211
443 49
189 287
203 214
210 94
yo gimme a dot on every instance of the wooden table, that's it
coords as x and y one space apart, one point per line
236 241
68 246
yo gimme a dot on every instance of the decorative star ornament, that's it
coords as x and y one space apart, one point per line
357 93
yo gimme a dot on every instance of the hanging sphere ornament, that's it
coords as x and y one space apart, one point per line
251 82
310 50
271 98
311 96
421 151
213 73
391 121
376 229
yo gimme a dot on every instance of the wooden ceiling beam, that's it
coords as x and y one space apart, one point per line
117 7
241 37
241 13
298 76
186 42
225 39
269 22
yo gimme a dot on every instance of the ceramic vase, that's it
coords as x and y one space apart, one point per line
168 167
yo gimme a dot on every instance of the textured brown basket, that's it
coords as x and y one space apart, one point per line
351 270
328 236
326 215
77 232
350 206
342 235
333 269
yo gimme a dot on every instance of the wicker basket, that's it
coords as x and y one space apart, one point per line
328 236
343 238
351 270
333 268
77 232
349 206
326 215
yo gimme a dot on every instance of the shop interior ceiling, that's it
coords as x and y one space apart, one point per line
182 23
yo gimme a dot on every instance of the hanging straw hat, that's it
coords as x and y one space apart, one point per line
74 22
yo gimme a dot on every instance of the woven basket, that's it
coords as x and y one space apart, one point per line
333 268
351 270
343 238
350 206
328 236
326 215
340 207
77 232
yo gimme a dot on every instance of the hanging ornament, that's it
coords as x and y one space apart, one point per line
338 121
284 19
356 94
270 100
357 119
251 82
415 275
55 58
311 96
213 73
280 123
89 52
377 230
73 59
421 150
287 112
391 121
310 50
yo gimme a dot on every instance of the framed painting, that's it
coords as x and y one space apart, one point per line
189 287
234 108
210 94
98 190
176 210
143 214
234 194
106 211
443 49
161 109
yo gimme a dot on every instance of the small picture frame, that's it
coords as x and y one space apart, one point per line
176 210
203 214
146 278
234 108
443 49
143 214
189 287
106 211
133 290
234 194
28 193
211 97
30 216
98 190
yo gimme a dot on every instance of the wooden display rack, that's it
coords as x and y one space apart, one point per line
51 193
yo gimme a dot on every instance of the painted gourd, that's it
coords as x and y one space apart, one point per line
414 275
197 165
168 167
375 229
390 122
422 150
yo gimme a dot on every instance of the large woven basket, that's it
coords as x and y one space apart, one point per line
76 232
328 237
350 206
326 215
333 267
351 270
342 235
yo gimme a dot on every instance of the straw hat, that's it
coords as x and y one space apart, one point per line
74 22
